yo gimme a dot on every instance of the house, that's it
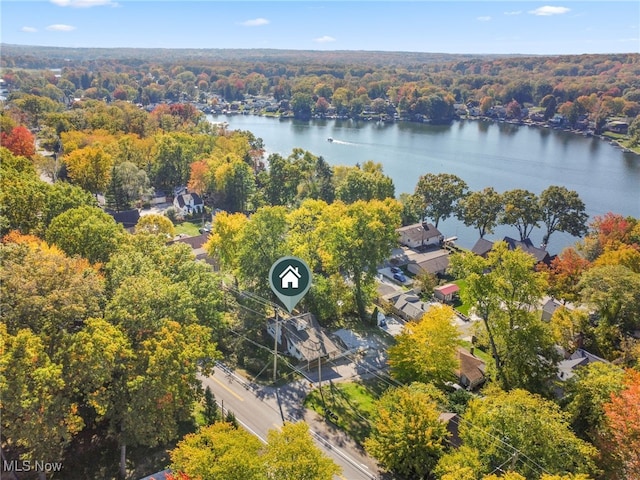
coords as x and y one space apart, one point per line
482 247
445 293
127 218
420 235
617 126
407 305
471 372
452 420
579 358
289 277
302 338
188 203
548 309
197 246
434 260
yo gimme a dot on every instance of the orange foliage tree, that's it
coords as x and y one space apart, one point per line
19 141
622 416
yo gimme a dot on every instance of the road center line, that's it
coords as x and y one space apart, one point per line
227 388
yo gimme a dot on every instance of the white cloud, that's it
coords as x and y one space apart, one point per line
484 19
256 22
29 29
324 39
58 27
547 11
84 3
516 12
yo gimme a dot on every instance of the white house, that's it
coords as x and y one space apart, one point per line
188 203
289 277
420 235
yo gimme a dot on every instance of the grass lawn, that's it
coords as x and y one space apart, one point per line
190 229
481 354
460 305
352 402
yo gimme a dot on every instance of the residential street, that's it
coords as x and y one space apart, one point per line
259 409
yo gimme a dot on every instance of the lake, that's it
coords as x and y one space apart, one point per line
482 153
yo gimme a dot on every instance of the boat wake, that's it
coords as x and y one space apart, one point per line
341 142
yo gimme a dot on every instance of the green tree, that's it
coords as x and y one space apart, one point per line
62 196
366 183
356 239
219 452
425 351
481 210
261 242
521 210
562 211
235 186
408 436
585 396
525 433
504 290
291 454
211 410
302 105
22 195
614 292
439 194
86 231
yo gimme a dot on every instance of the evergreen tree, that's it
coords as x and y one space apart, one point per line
115 195
210 407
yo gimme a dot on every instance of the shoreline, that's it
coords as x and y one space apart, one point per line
518 123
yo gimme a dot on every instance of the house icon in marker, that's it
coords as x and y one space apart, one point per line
289 277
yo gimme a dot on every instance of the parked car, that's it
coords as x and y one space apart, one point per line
395 270
399 277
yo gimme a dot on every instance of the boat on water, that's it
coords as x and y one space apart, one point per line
329 139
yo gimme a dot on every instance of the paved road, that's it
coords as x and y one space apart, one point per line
259 409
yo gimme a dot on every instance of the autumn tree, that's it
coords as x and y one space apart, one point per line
622 432
19 141
408 436
425 351
521 210
291 454
481 210
564 273
439 194
562 210
90 168
224 242
39 418
156 225
219 451
43 290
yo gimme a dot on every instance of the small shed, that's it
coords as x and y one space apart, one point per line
445 293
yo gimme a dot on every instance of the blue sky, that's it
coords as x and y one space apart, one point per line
547 27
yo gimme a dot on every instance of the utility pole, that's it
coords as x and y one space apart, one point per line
275 347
